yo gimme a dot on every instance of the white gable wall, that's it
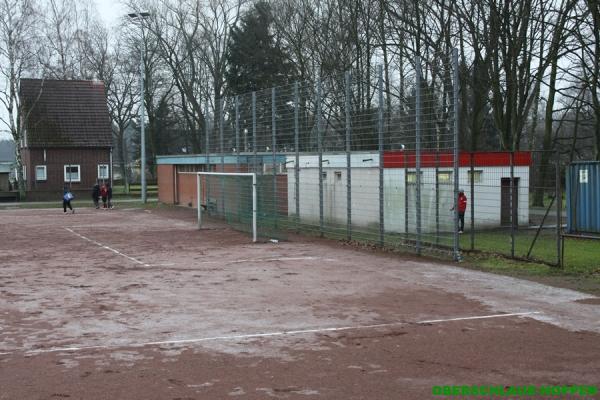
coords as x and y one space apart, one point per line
365 194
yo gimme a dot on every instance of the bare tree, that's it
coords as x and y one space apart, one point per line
192 40
158 96
552 59
17 33
589 35
66 28
216 24
122 101
117 69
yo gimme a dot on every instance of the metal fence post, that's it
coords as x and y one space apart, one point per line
199 202
297 147
381 171
237 154
207 128
348 162
418 148
456 172
437 195
254 143
222 151
558 190
274 152
237 135
221 133
320 149
472 233
406 236
513 206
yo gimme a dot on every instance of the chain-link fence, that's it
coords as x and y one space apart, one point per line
370 158
376 161
515 204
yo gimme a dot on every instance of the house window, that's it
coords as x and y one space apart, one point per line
338 175
103 171
40 173
72 173
477 176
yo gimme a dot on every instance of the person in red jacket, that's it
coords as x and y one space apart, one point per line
104 194
462 207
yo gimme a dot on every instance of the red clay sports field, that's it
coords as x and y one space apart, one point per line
140 304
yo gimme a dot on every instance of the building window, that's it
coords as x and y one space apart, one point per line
72 173
444 177
103 171
40 173
338 175
277 168
411 177
477 176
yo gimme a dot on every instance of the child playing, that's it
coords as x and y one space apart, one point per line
67 197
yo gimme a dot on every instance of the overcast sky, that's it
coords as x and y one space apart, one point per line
110 11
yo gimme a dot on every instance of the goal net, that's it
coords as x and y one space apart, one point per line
228 195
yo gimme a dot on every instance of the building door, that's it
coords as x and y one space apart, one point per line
506 201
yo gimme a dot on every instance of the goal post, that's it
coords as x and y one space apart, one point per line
246 175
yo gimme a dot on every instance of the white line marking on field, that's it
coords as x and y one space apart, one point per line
433 321
308 258
269 334
135 260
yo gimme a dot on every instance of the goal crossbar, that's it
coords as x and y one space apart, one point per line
242 174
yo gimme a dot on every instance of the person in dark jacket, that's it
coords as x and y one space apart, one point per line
109 194
96 196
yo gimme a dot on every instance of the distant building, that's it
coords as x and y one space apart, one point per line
7 159
490 198
488 187
67 139
4 176
177 183
7 151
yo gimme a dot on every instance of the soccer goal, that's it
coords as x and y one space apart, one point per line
231 195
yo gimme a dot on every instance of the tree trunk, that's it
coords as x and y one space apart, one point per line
575 130
557 40
20 180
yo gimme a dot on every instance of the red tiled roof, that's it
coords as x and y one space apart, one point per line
65 113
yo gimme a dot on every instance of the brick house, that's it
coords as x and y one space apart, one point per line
67 137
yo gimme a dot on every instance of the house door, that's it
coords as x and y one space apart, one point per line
506 201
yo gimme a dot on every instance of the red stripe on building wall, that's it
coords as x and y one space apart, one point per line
408 159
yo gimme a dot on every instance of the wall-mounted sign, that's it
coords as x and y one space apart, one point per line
583 176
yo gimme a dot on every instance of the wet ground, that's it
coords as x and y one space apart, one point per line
134 304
